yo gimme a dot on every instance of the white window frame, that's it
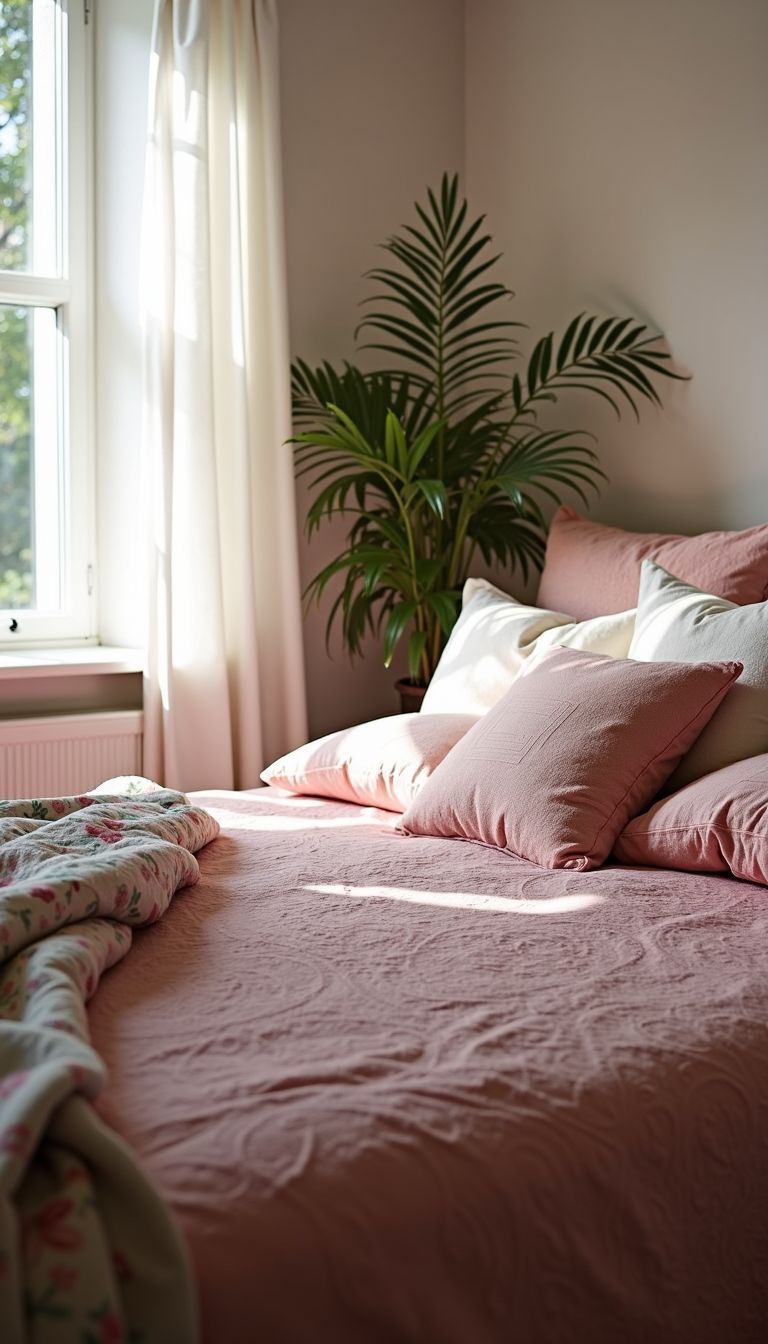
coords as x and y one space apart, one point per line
72 297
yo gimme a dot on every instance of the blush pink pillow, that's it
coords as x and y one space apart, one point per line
717 824
576 747
594 570
379 764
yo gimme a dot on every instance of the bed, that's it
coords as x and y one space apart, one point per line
414 1091
455 1034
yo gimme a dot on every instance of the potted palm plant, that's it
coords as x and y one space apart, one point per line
441 454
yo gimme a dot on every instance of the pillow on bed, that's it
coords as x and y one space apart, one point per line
677 622
590 568
718 824
576 747
379 764
495 637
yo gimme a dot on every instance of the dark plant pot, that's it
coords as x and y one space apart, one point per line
411 695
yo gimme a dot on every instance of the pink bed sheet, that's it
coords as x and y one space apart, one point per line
412 1091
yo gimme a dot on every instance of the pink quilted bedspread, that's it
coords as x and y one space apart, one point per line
412 1091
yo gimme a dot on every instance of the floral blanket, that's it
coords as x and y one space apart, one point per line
88 1252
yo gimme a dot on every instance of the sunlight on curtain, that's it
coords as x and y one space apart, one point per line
224 691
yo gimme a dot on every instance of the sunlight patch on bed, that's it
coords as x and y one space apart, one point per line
466 900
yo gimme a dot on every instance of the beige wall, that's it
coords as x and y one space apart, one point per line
620 151
373 111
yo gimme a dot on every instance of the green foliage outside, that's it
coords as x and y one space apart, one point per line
16 566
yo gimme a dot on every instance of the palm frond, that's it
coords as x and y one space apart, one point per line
426 305
441 455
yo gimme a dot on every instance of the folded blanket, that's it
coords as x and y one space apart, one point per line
88 1252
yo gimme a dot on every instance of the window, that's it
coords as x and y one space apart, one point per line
46 487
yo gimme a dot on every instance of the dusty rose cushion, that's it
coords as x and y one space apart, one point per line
379 764
577 746
717 824
593 570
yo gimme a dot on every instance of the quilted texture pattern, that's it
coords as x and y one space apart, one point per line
401 1091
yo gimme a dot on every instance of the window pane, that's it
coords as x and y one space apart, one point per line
17 584
30 95
30 459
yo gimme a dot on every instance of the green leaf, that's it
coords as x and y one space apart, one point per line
416 646
583 337
402 351
399 618
617 328
427 570
457 221
445 606
429 224
510 485
425 266
474 302
649 362
546 357
564 348
403 330
462 260
468 239
420 447
533 367
390 527
435 494
598 334
624 368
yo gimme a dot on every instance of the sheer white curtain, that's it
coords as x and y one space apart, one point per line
224 690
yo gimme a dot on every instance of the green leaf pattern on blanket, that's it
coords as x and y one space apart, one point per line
79 1223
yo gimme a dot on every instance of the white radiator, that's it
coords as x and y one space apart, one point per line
67 753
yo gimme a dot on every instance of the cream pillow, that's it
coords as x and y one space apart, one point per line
495 637
677 622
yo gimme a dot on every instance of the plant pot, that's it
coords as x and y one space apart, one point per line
411 695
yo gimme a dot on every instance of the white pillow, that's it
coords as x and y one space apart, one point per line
496 637
677 622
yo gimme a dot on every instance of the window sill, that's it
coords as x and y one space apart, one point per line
88 660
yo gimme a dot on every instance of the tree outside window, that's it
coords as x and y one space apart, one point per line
16 466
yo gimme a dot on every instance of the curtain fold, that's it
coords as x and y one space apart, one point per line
224 687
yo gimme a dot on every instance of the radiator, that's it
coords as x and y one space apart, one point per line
67 753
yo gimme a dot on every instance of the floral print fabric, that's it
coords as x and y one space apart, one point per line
88 1254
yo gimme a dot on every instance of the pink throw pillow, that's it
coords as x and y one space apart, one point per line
717 824
594 570
576 747
379 764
